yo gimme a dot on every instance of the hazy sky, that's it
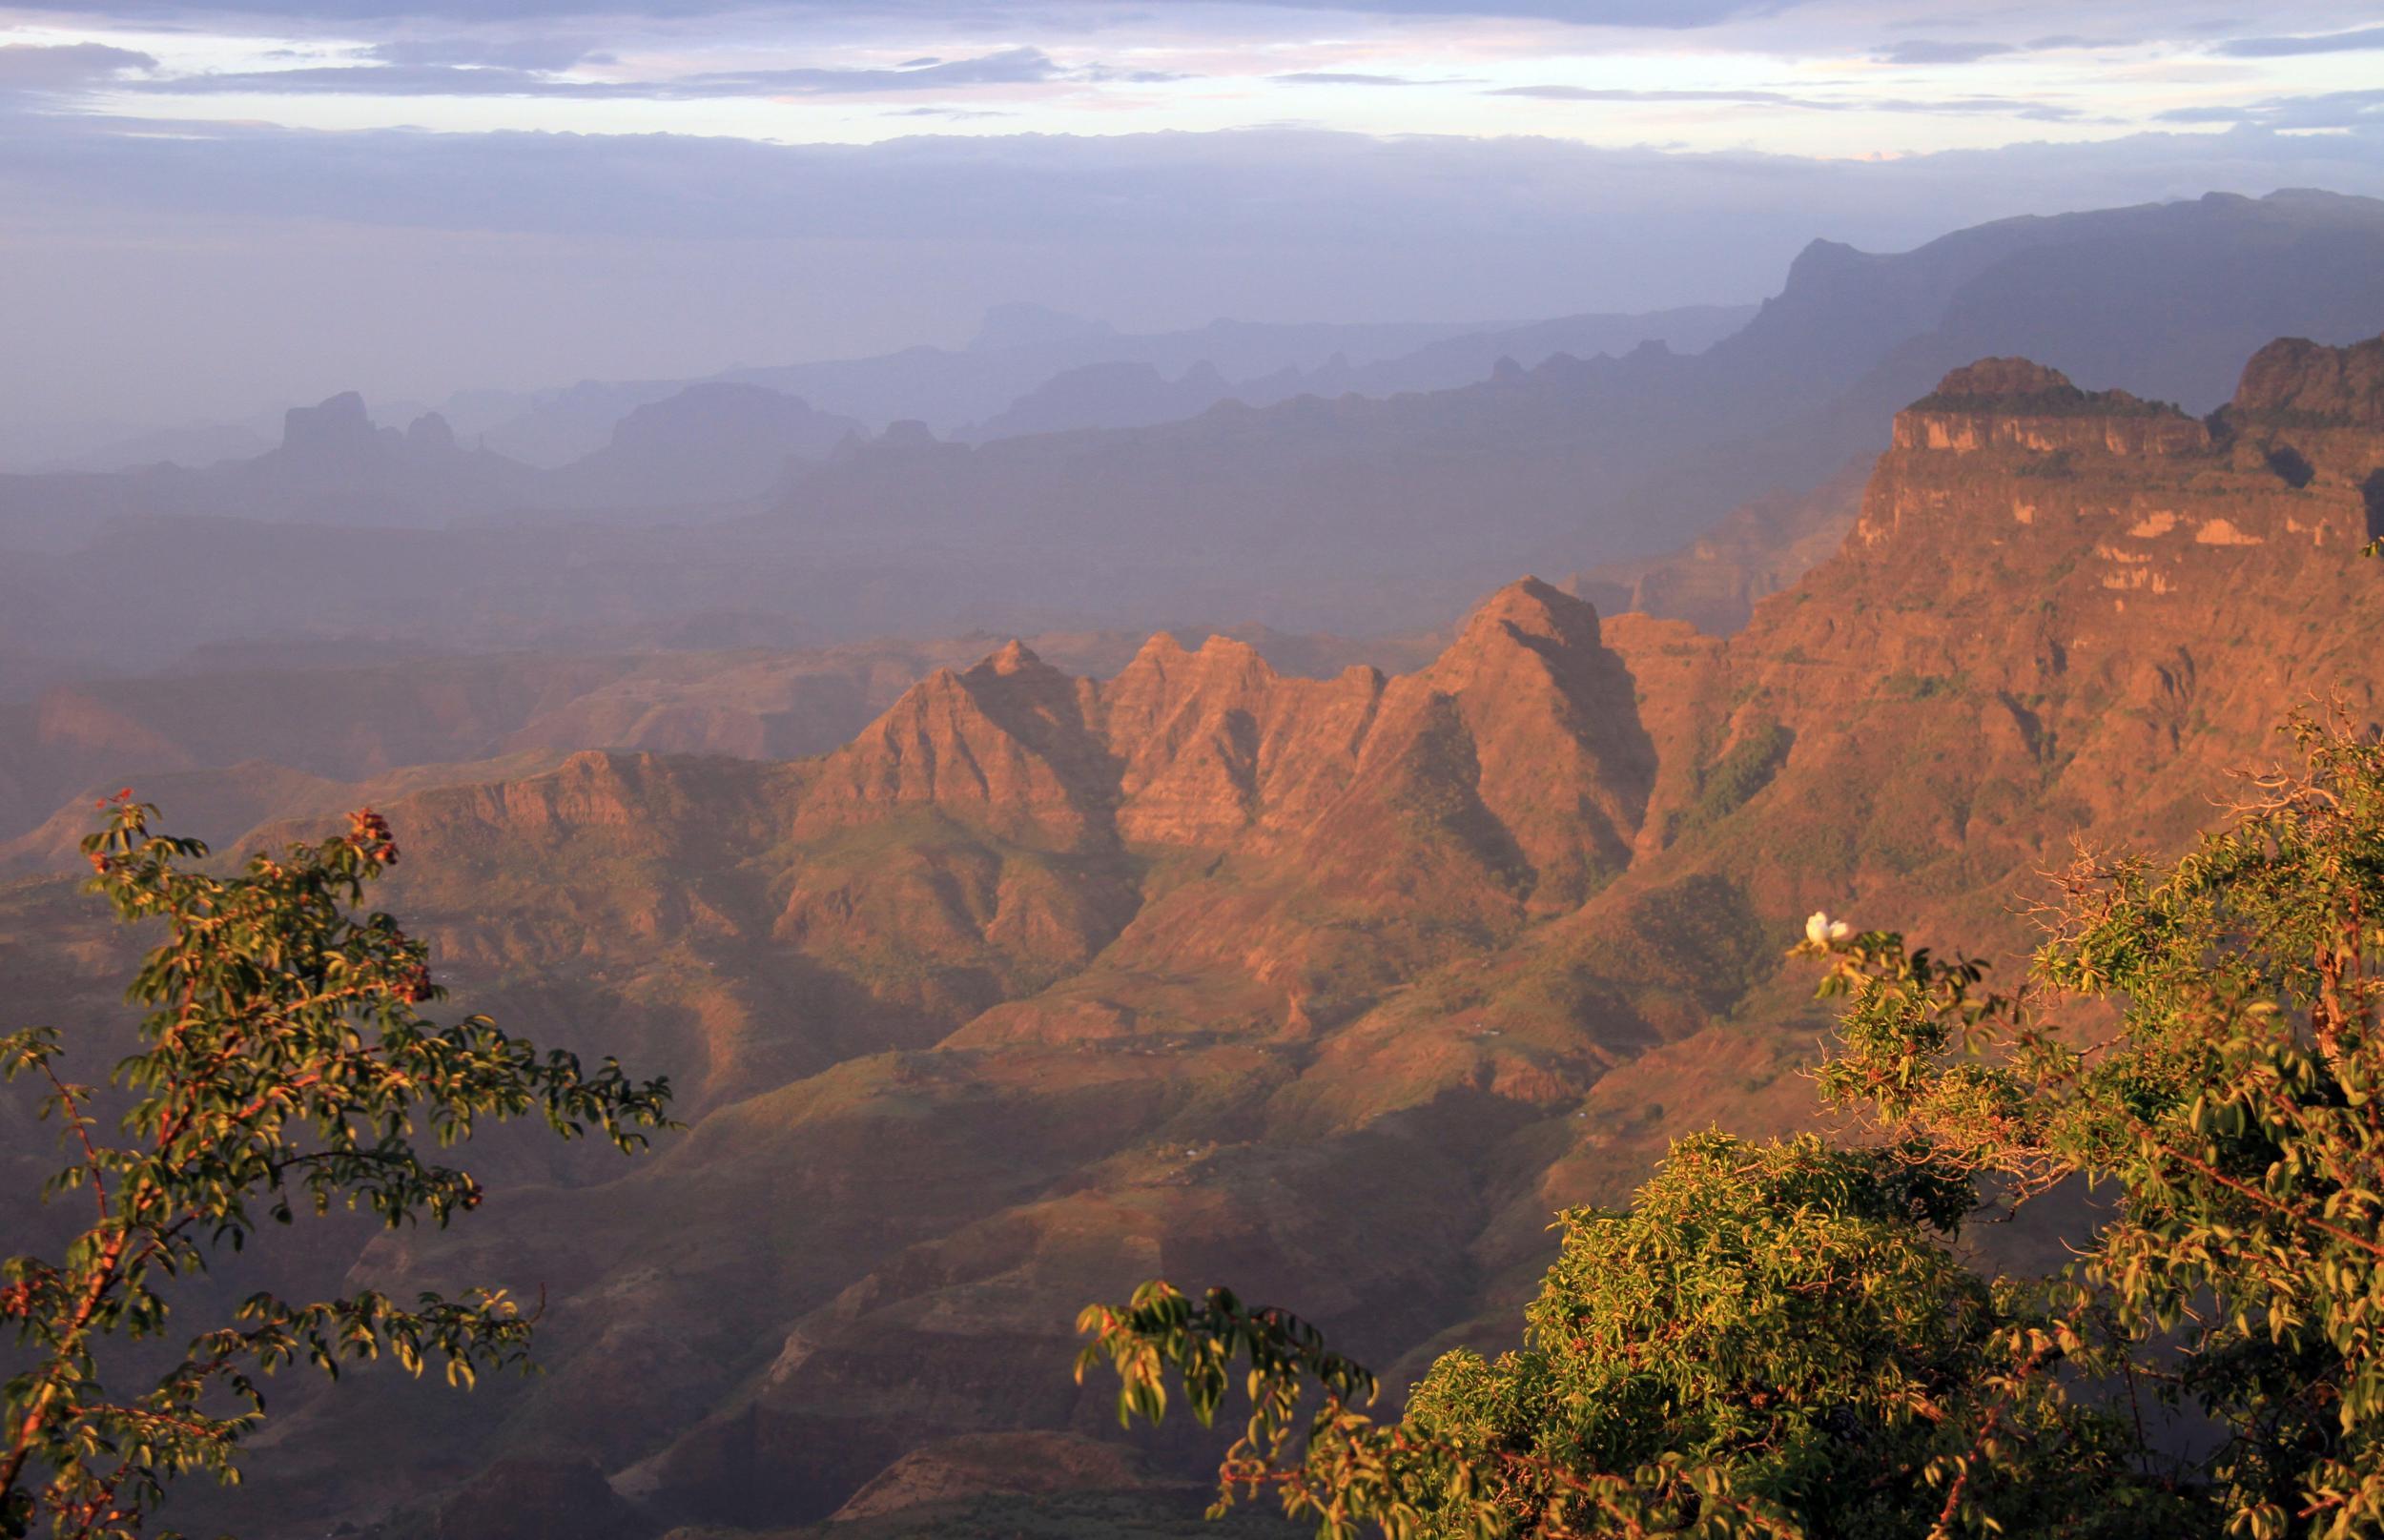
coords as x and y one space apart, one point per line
209 209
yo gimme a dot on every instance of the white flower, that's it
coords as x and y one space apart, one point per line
1823 931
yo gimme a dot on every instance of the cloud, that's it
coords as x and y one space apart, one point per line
2278 48
505 53
1957 106
1938 52
1667 13
1950 51
1227 187
1617 93
1342 77
378 80
65 67
1009 67
2325 110
245 264
1670 14
950 113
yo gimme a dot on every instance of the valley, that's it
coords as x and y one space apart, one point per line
1439 769
997 978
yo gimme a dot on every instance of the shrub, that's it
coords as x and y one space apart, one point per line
284 1070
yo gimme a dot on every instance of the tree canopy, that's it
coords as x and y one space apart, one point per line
284 1069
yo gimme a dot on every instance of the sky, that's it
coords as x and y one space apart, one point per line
211 210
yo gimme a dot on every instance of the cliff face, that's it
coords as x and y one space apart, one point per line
2058 556
1330 987
2056 611
2295 379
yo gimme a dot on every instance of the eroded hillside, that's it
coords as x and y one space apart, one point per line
1332 988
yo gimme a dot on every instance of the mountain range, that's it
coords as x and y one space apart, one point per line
1353 515
1021 354
226 743
1016 375
1330 987
702 447
1341 504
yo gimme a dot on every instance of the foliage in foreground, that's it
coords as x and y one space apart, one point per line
283 1068
1772 1340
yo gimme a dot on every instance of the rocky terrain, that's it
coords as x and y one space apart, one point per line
1330 987
230 742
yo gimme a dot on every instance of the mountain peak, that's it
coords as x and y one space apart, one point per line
2003 376
1165 675
2019 388
339 422
1822 259
2316 384
1003 746
1161 648
1014 657
1228 650
1531 610
431 434
1531 700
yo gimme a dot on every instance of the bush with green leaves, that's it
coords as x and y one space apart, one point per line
1785 1317
2203 1039
283 1069
1773 1339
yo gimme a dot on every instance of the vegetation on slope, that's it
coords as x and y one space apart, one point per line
1772 1340
283 1071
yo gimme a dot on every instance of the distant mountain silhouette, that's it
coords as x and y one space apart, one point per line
1344 511
1477 356
1017 350
1116 394
1349 515
1023 356
1124 394
709 444
703 447
334 465
552 428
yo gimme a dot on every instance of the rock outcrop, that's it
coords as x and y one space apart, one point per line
2295 382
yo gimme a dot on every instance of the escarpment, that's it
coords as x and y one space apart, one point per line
2023 546
2059 610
